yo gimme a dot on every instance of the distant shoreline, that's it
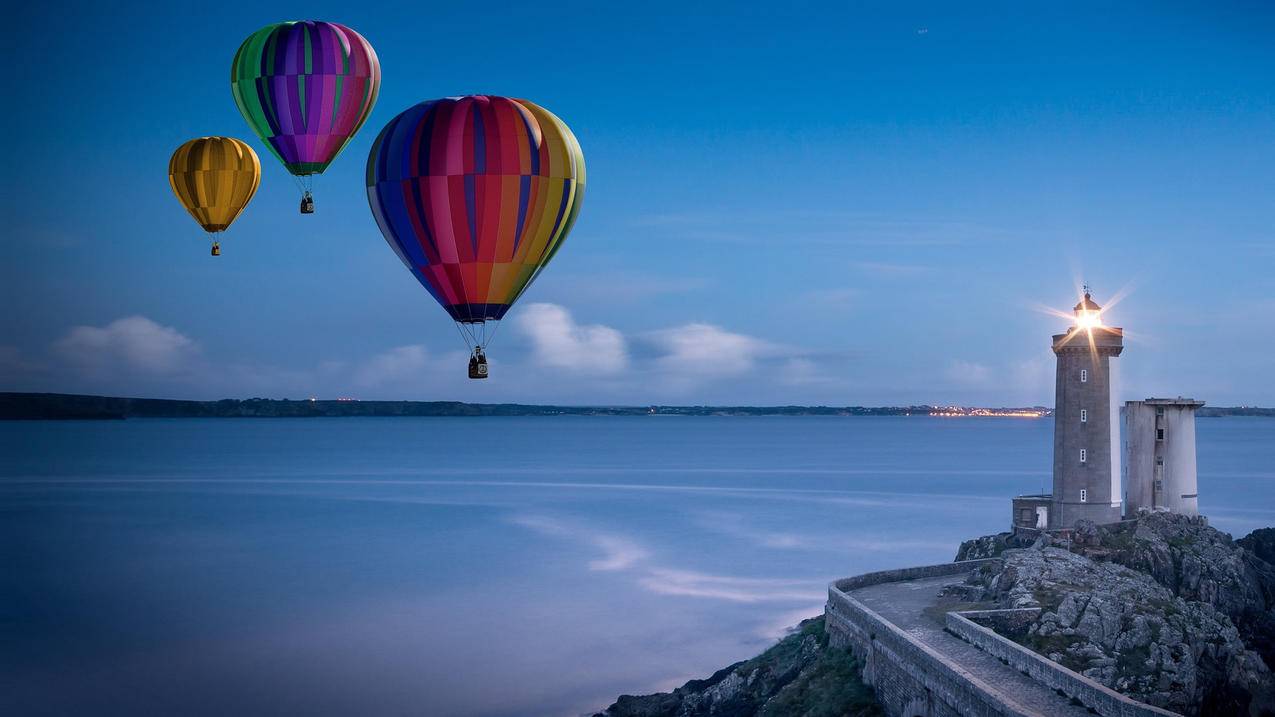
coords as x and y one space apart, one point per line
60 406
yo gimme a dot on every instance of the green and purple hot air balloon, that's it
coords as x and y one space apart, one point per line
305 88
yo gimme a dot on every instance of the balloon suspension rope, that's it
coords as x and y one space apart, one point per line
476 337
305 183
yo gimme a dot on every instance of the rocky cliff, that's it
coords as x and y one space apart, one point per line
1165 609
801 675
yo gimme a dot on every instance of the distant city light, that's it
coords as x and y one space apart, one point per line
965 412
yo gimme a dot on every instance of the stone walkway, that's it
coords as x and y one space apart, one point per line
905 604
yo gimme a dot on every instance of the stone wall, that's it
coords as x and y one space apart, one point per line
911 680
1011 621
1096 697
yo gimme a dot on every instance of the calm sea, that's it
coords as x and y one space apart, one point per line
481 566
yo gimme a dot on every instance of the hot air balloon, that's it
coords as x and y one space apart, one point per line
475 195
305 88
214 178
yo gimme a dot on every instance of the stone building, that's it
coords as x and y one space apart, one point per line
1160 456
1086 428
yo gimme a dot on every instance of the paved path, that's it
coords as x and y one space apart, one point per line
905 603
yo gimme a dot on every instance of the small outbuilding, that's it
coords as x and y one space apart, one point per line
1159 442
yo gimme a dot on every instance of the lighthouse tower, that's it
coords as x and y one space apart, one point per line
1086 421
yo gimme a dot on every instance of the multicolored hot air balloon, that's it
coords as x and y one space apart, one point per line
214 178
475 194
305 88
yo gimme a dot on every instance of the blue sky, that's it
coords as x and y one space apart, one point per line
803 203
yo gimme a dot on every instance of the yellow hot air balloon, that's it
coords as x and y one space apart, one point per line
214 178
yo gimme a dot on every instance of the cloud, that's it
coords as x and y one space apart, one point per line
401 365
558 341
567 362
707 350
969 374
135 344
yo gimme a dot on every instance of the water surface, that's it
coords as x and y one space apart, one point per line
479 566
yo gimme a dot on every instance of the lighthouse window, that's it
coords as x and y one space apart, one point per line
1084 455
1159 434
1159 410
1084 495
1159 461
1084 375
1084 416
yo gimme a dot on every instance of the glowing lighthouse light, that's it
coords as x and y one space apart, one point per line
1088 313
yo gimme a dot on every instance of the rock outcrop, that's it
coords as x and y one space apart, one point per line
1120 627
801 675
991 546
1166 608
1260 542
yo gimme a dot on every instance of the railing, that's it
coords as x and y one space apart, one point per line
1093 695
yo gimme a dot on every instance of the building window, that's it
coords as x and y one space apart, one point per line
1084 415
1025 516
1159 461
1084 496
1084 375
1159 410
1084 455
1159 434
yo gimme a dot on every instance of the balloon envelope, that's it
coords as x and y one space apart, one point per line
214 178
305 89
475 195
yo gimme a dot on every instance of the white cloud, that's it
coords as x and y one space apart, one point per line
707 350
134 343
401 365
558 341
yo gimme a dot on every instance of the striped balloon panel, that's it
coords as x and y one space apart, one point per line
475 195
214 178
305 88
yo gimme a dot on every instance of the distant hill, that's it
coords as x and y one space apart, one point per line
69 406
43 406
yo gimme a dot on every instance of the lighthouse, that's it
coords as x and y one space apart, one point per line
1086 421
